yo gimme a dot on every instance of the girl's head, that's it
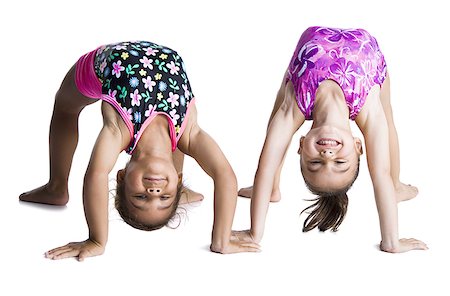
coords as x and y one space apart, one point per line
148 193
329 162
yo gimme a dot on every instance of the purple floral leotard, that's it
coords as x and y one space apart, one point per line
350 57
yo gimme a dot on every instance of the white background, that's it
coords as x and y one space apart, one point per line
235 53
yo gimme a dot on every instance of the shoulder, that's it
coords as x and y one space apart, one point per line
114 122
190 128
289 105
372 113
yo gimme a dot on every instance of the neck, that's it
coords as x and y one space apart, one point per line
155 141
330 107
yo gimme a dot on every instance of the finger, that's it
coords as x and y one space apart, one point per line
57 251
415 244
249 248
67 254
250 244
419 245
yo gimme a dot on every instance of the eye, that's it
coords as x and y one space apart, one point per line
340 161
164 197
140 197
315 162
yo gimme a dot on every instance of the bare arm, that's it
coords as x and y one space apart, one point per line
377 147
108 146
209 156
286 121
95 189
374 126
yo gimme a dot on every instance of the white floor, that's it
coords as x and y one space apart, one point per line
235 55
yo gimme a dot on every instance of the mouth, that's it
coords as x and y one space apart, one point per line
328 142
154 179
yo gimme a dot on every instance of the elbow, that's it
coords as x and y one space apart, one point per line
381 174
93 176
226 175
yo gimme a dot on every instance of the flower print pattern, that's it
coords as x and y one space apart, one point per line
129 112
134 82
149 110
174 116
137 117
144 78
120 47
350 57
142 72
173 68
117 68
344 71
103 66
135 98
305 57
134 52
151 51
173 99
146 62
112 93
334 35
148 83
186 90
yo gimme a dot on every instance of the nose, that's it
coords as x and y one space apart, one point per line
327 153
153 190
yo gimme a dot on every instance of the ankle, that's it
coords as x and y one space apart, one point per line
58 187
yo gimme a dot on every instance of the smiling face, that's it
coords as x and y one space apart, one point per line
150 191
329 157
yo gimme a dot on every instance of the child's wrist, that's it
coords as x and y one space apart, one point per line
218 247
256 236
389 246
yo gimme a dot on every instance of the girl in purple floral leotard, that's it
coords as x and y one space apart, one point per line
335 76
148 110
351 58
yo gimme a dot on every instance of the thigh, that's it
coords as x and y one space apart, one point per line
385 97
69 98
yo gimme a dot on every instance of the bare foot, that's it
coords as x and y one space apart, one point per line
188 196
45 195
405 192
248 192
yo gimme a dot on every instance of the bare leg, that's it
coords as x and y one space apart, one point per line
187 195
63 141
403 191
276 194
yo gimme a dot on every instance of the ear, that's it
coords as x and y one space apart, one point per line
302 138
358 145
121 175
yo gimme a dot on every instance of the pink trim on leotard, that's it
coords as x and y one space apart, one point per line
89 85
86 80
172 133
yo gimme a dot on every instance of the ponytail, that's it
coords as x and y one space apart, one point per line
329 208
327 212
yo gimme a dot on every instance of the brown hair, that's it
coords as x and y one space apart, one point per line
119 203
329 208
